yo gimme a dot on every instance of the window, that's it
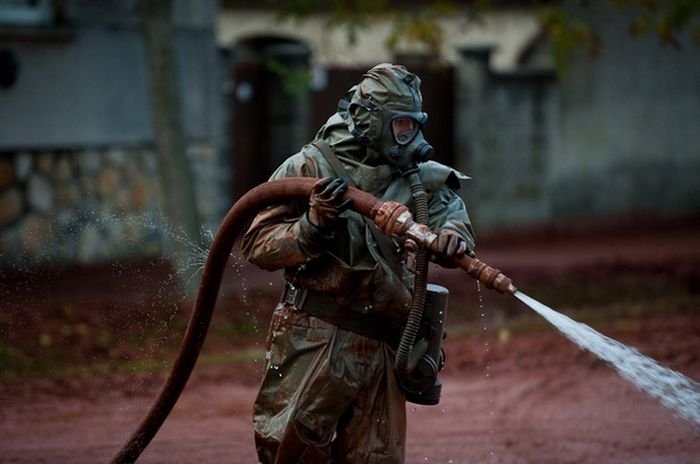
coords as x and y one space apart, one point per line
26 12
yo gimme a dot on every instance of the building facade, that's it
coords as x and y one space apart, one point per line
80 179
79 175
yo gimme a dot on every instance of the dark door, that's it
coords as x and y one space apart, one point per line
269 114
248 130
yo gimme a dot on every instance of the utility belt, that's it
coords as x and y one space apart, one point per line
355 318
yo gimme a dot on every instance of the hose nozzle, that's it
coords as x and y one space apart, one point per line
487 275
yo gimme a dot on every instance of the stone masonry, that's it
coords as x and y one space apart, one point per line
78 206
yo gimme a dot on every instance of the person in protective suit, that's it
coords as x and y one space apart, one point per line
329 392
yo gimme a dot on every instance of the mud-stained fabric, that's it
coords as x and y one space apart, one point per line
327 395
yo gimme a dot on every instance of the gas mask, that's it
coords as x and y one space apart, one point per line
402 142
384 113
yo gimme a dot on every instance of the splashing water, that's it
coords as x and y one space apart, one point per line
191 257
195 254
188 255
672 389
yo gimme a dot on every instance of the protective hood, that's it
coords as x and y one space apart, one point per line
384 113
363 166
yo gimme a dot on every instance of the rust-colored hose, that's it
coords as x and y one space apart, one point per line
393 220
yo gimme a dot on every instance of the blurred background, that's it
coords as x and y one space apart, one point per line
558 111
128 128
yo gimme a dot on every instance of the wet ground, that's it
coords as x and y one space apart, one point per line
515 390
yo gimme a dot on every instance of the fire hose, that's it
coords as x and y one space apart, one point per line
392 218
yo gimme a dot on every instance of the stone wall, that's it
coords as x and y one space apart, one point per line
97 205
78 206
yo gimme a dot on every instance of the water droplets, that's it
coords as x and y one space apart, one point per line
190 256
482 313
487 367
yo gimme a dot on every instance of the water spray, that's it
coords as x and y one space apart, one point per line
392 218
674 390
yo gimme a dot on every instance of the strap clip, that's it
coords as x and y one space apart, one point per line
294 296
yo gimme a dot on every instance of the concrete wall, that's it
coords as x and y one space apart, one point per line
628 137
83 92
504 126
616 134
89 90
90 86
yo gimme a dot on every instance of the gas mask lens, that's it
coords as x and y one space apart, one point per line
404 129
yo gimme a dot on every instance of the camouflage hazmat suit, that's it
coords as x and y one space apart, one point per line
329 392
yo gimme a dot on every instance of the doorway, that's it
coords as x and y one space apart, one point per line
270 109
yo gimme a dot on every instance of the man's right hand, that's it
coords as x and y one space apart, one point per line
326 201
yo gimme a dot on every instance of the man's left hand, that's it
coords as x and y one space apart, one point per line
450 244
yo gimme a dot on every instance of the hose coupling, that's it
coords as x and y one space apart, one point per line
395 219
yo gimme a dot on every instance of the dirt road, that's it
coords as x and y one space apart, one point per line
532 399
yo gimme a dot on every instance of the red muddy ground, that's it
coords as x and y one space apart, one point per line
515 391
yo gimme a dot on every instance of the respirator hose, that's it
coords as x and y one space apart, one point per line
420 285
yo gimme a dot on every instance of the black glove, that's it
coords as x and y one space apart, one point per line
451 244
326 201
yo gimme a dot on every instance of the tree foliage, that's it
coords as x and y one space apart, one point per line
666 18
419 21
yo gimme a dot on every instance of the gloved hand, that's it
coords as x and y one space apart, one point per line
450 244
325 202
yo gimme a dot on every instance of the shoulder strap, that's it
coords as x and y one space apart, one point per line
333 160
385 243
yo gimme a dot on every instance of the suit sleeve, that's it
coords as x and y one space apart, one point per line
279 236
447 211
